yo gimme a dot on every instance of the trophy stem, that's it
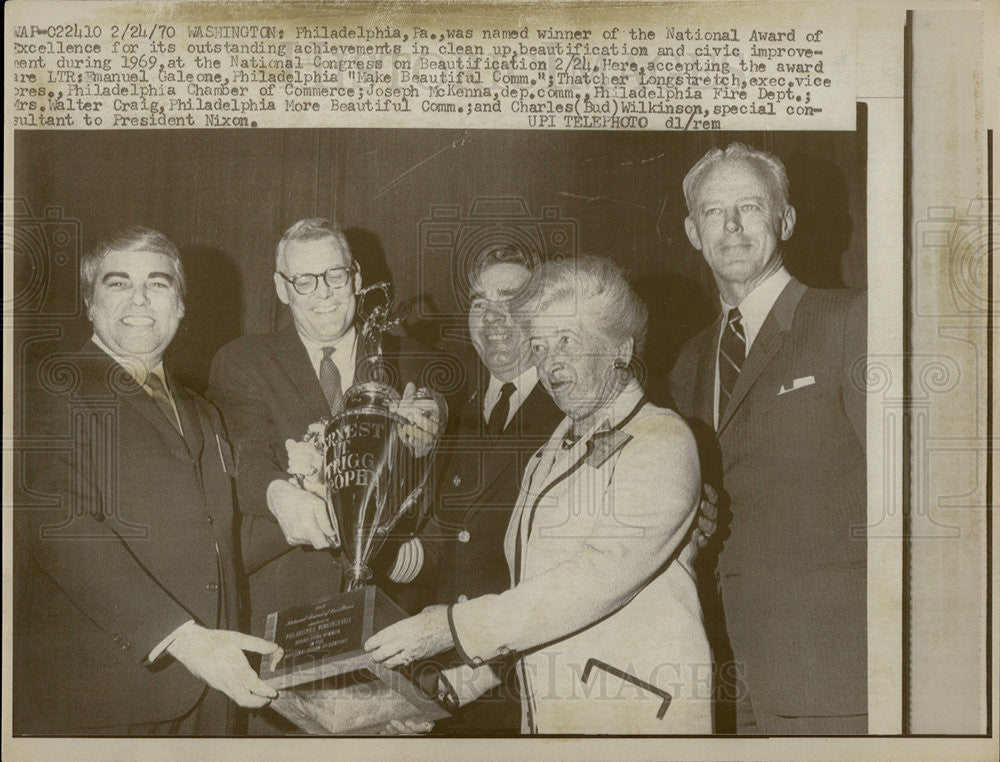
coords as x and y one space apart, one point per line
357 574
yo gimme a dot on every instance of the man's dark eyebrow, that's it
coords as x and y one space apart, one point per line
165 276
116 274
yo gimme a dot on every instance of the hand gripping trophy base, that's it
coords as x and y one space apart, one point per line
377 461
328 684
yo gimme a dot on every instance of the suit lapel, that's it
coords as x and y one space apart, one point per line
704 387
128 390
765 347
293 361
535 486
190 419
532 486
524 423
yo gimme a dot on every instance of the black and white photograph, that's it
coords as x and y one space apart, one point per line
380 437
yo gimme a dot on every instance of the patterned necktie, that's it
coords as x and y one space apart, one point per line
732 354
329 379
498 416
158 392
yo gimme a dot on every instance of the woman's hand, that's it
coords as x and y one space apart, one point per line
418 637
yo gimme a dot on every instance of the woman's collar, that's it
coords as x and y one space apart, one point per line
610 416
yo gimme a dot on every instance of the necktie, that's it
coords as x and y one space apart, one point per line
158 392
732 354
498 416
329 379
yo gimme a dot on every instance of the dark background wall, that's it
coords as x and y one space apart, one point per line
414 203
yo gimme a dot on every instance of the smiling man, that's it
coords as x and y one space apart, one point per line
270 387
126 583
779 378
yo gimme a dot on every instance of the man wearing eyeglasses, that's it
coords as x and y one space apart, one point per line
270 388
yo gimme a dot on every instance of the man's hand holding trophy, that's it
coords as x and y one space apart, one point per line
353 480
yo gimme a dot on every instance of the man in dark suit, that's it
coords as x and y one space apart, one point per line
779 378
270 388
125 587
508 416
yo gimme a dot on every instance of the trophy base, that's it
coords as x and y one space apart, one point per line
328 684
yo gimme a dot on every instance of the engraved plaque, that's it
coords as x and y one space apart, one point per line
327 683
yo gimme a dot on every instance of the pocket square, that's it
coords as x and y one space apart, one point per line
799 383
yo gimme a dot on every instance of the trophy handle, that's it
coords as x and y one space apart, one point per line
408 503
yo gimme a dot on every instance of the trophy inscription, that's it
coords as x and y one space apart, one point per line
315 631
377 454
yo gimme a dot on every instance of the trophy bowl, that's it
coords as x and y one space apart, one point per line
379 453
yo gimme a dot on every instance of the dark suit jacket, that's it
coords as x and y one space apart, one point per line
793 571
478 483
124 532
268 392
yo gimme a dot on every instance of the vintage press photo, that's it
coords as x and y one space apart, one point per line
843 587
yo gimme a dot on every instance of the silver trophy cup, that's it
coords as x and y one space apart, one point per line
379 452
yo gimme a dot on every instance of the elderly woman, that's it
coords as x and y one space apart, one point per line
603 610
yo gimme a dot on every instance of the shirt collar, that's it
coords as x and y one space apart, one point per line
132 364
614 412
757 304
524 383
344 346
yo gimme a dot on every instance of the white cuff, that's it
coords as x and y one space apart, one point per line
164 644
409 561
470 682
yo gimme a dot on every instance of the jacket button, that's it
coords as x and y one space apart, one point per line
464 536
213 586
210 520
126 646
456 480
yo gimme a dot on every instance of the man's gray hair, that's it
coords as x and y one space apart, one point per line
313 229
736 151
136 238
597 287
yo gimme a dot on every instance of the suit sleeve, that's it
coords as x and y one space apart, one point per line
94 567
854 370
644 519
681 380
251 428
430 541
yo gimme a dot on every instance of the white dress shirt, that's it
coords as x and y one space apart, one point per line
754 309
523 385
343 357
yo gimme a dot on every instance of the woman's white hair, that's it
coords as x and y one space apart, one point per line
597 287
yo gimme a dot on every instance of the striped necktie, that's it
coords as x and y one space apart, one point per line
732 355
158 391
329 379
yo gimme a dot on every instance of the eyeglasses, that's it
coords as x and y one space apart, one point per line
306 283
